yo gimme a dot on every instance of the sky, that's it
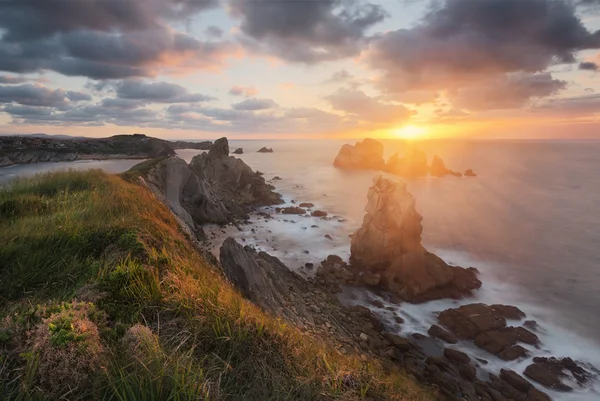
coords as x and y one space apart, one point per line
293 69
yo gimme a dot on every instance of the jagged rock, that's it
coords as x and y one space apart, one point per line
233 179
319 213
214 188
470 320
265 150
293 210
389 243
438 332
515 380
438 168
509 311
551 372
365 155
470 173
456 355
239 151
412 165
497 341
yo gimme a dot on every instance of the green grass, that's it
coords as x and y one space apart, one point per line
100 239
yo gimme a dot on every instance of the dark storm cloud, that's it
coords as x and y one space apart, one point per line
306 31
255 104
102 39
506 92
38 95
573 107
462 41
157 92
586 65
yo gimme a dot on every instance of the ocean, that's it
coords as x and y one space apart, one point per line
529 221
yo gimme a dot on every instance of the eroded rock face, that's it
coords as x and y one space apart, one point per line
214 188
365 155
233 179
412 165
389 243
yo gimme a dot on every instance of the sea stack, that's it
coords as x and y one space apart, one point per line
389 244
365 155
412 165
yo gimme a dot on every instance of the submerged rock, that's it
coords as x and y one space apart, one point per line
389 243
412 165
365 155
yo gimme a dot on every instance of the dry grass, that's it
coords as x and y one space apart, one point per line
108 240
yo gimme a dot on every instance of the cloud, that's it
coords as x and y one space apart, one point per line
246 91
157 92
572 107
506 91
38 95
255 104
587 65
214 32
306 31
460 42
104 39
11 80
357 104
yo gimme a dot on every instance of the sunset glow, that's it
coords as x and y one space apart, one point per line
410 132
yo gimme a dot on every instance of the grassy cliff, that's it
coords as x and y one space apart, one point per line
103 297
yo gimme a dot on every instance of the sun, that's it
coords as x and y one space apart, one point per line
409 132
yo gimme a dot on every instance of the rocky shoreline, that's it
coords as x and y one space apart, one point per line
386 257
24 150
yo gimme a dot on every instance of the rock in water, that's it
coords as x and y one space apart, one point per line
239 151
470 173
389 243
365 155
438 168
413 165
265 150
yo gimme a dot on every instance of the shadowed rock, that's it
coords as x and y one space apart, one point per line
389 243
365 155
239 151
412 165
265 150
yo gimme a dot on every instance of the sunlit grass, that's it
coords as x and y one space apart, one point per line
109 242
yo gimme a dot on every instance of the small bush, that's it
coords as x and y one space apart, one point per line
68 351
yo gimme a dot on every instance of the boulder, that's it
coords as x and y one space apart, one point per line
551 372
365 155
515 380
438 168
412 165
319 213
265 150
293 210
389 243
305 204
456 355
438 332
509 311
470 320
238 151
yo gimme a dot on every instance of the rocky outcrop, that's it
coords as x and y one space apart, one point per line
487 326
412 165
206 145
232 179
470 173
553 372
389 243
238 151
365 155
438 168
265 150
214 188
22 150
